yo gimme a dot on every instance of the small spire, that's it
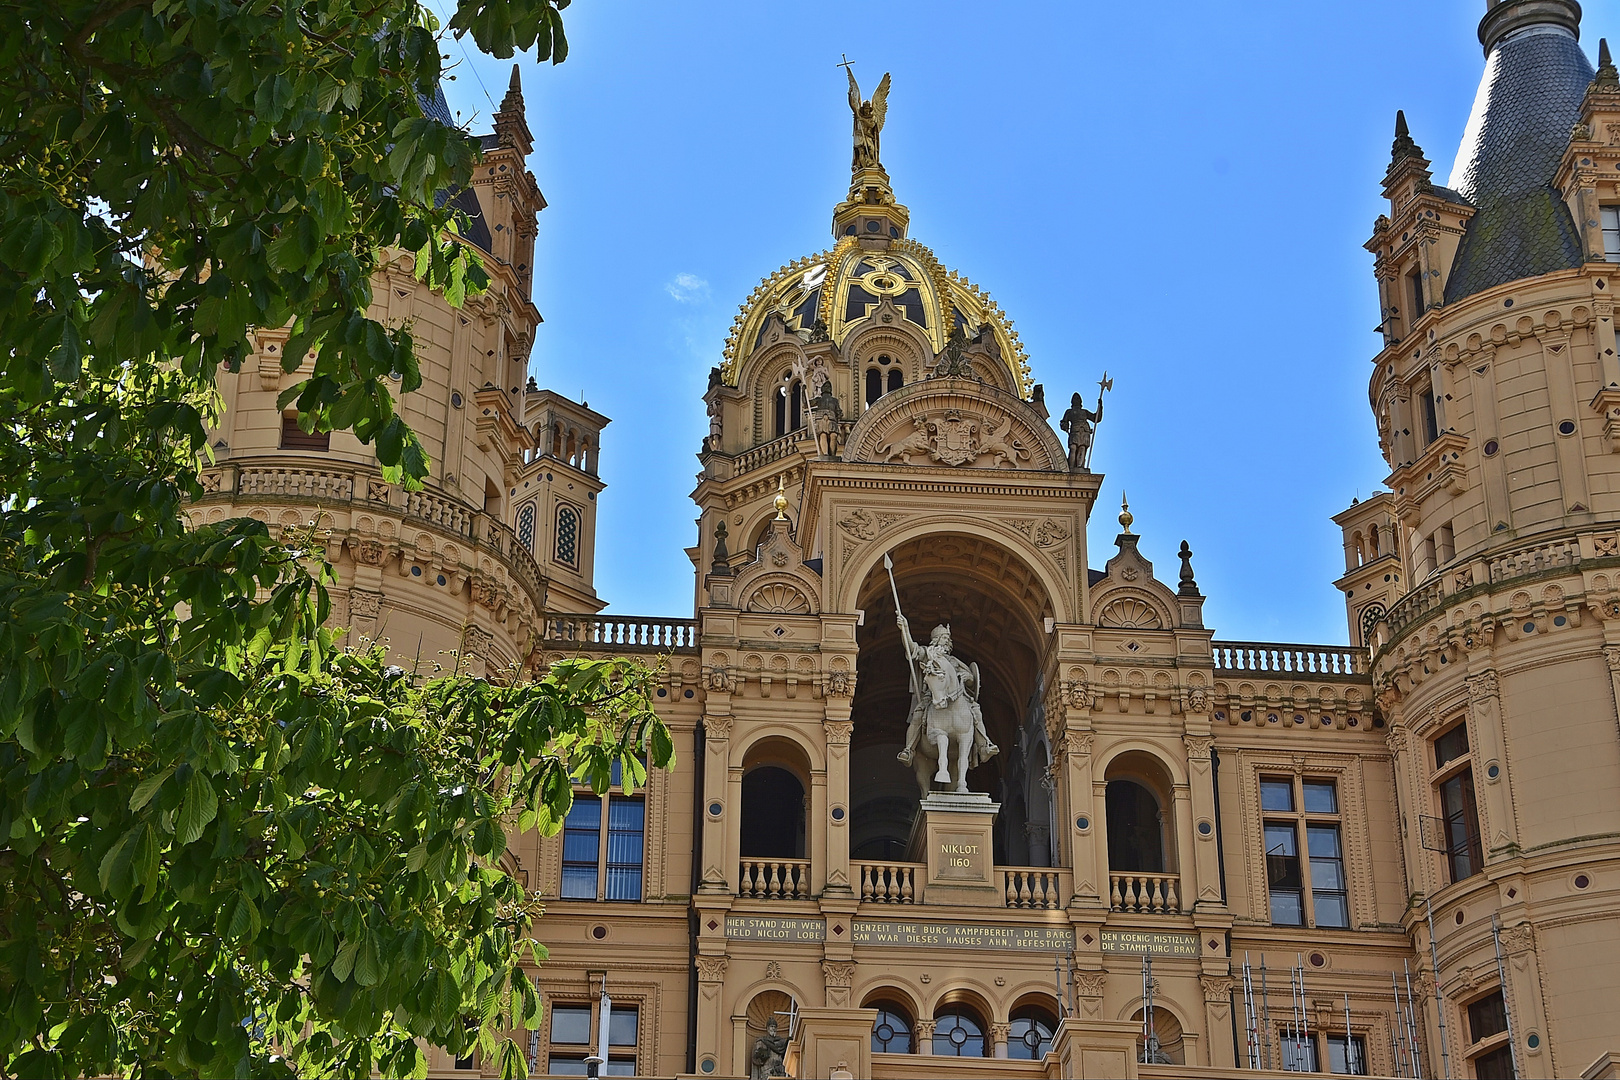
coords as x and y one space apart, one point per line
516 85
1125 517
1607 78
781 498
1404 146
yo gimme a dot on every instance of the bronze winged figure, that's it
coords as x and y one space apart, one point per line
868 121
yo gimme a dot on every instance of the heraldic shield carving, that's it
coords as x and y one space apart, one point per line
982 428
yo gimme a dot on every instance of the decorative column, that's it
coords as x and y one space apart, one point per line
717 738
1523 996
925 1036
1220 1050
1088 990
711 980
999 1034
1082 823
839 976
833 823
1485 710
1204 888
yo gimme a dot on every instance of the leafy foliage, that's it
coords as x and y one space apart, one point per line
226 846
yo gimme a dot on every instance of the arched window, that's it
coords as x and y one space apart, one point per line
1370 617
525 526
567 535
772 814
1030 1035
789 408
897 379
958 1033
1135 829
874 385
891 1031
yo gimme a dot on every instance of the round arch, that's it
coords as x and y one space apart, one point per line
1167 1027
1139 813
996 604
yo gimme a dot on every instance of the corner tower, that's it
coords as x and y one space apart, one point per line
1497 395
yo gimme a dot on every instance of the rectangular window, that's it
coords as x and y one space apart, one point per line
575 1034
1490 1057
589 833
1347 1055
1414 289
1329 900
1463 848
1611 233
294 437
1431 415
1451 746
1321 897
1283 873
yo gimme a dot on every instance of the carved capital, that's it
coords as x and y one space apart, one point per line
717 727
838 731
1518 939
1396 739
1611 655
1077 743
1482 687
1198 746
364 603
840 973
1090 984
1000 1033
476 641
711 969
1217 990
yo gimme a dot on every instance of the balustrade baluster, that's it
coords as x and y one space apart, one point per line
1114 900
1172 903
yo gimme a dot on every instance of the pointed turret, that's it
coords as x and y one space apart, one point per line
1607 78
1406 162
511 127
1404 146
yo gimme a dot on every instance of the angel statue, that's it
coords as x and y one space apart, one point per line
868 121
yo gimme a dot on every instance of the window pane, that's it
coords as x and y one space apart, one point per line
1451 746
1332 909
1029 1039
891 1033
1487 1017
1347 1056
1323 841
582 838
1611 233
1496 1065
620 1067
626 836
1321 797
1287 909
623 1024
1466 856
1276 794
579 884
956 1035
571 1024
566 1066
1298 1053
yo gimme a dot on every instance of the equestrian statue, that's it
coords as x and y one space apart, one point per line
945 734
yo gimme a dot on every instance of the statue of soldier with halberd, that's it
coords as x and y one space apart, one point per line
945 734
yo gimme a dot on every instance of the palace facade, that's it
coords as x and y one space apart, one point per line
1191 855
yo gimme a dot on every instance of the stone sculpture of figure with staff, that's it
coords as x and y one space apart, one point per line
1079 422
945 734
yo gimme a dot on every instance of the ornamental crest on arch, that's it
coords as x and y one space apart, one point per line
955 438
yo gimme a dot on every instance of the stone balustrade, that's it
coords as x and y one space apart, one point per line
1145 894
766 453
620 633
889 883
774 879
1318 660
1033 887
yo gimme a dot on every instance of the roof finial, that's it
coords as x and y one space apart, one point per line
1606 78
1125 517
1404 146
516 84
781 498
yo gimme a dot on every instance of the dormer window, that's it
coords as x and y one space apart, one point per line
883 377
1611 233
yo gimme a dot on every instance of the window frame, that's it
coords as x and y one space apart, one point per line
1488 1045
578 540
627 1053
1439 777
604 832
1300 820
297 439
1607 214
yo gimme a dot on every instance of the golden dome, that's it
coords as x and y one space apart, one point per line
840 288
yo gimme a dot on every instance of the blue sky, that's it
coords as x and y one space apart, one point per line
1175 192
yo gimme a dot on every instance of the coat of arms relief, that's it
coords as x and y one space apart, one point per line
954 438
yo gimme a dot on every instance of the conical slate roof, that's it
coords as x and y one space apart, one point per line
1528 100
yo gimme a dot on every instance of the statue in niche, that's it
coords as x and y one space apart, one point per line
766 1060
945 714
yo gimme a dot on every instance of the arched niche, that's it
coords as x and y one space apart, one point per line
996 605
1170 1045
1139 810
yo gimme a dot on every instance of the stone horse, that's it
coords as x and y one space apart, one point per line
945 751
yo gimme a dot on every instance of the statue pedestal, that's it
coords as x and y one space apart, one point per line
954 836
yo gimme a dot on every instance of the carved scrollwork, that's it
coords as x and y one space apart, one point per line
860 524
1217 990
838 731
1090 984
